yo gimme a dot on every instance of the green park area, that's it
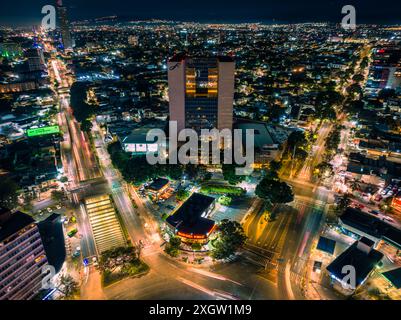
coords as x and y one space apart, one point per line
217 189
120 263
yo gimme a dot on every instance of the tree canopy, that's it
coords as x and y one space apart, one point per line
8 193
230 174
231 237
137 170
274 190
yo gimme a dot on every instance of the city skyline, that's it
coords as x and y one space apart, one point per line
289 11
112 134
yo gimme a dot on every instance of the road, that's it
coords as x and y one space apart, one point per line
314 158
80 165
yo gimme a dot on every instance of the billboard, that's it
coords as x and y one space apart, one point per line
43 131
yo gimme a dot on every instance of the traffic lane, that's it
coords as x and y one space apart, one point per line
85 233
169 279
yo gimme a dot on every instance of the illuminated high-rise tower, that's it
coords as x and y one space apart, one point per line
201 92
22 256
64 25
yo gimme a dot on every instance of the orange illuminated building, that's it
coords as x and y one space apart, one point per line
190 222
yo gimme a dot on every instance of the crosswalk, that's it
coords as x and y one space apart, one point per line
272 266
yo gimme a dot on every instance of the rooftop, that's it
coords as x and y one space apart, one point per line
262 136
372 226
326 245
15 222
182 56
138 135
363 262
188 218
394 276
158 184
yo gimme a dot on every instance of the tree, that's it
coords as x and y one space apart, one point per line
173 247
364 63
296 139
325 112
86 125
230 175
63 179
57 195
182 195
301 154
68 286
274 191
343 203
231 237
325 102
275 165
296 145
358 78
8 193
333 140
196 246
354 89
354 106
324 170
225 200
191 171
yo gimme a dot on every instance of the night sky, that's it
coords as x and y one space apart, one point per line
28 12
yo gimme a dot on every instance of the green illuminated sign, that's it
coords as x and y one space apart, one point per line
43 131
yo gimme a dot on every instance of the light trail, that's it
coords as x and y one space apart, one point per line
213 275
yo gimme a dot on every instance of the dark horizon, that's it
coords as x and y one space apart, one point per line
290 11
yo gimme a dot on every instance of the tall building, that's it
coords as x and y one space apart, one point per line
385 70
106 228
64 25
201 92
22 256
35 59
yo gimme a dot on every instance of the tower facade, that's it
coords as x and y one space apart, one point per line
22 256
201 92
64 25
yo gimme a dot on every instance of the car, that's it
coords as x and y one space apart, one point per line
72 233
375 212
384 192
49 209
58 207
390 193
388 219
